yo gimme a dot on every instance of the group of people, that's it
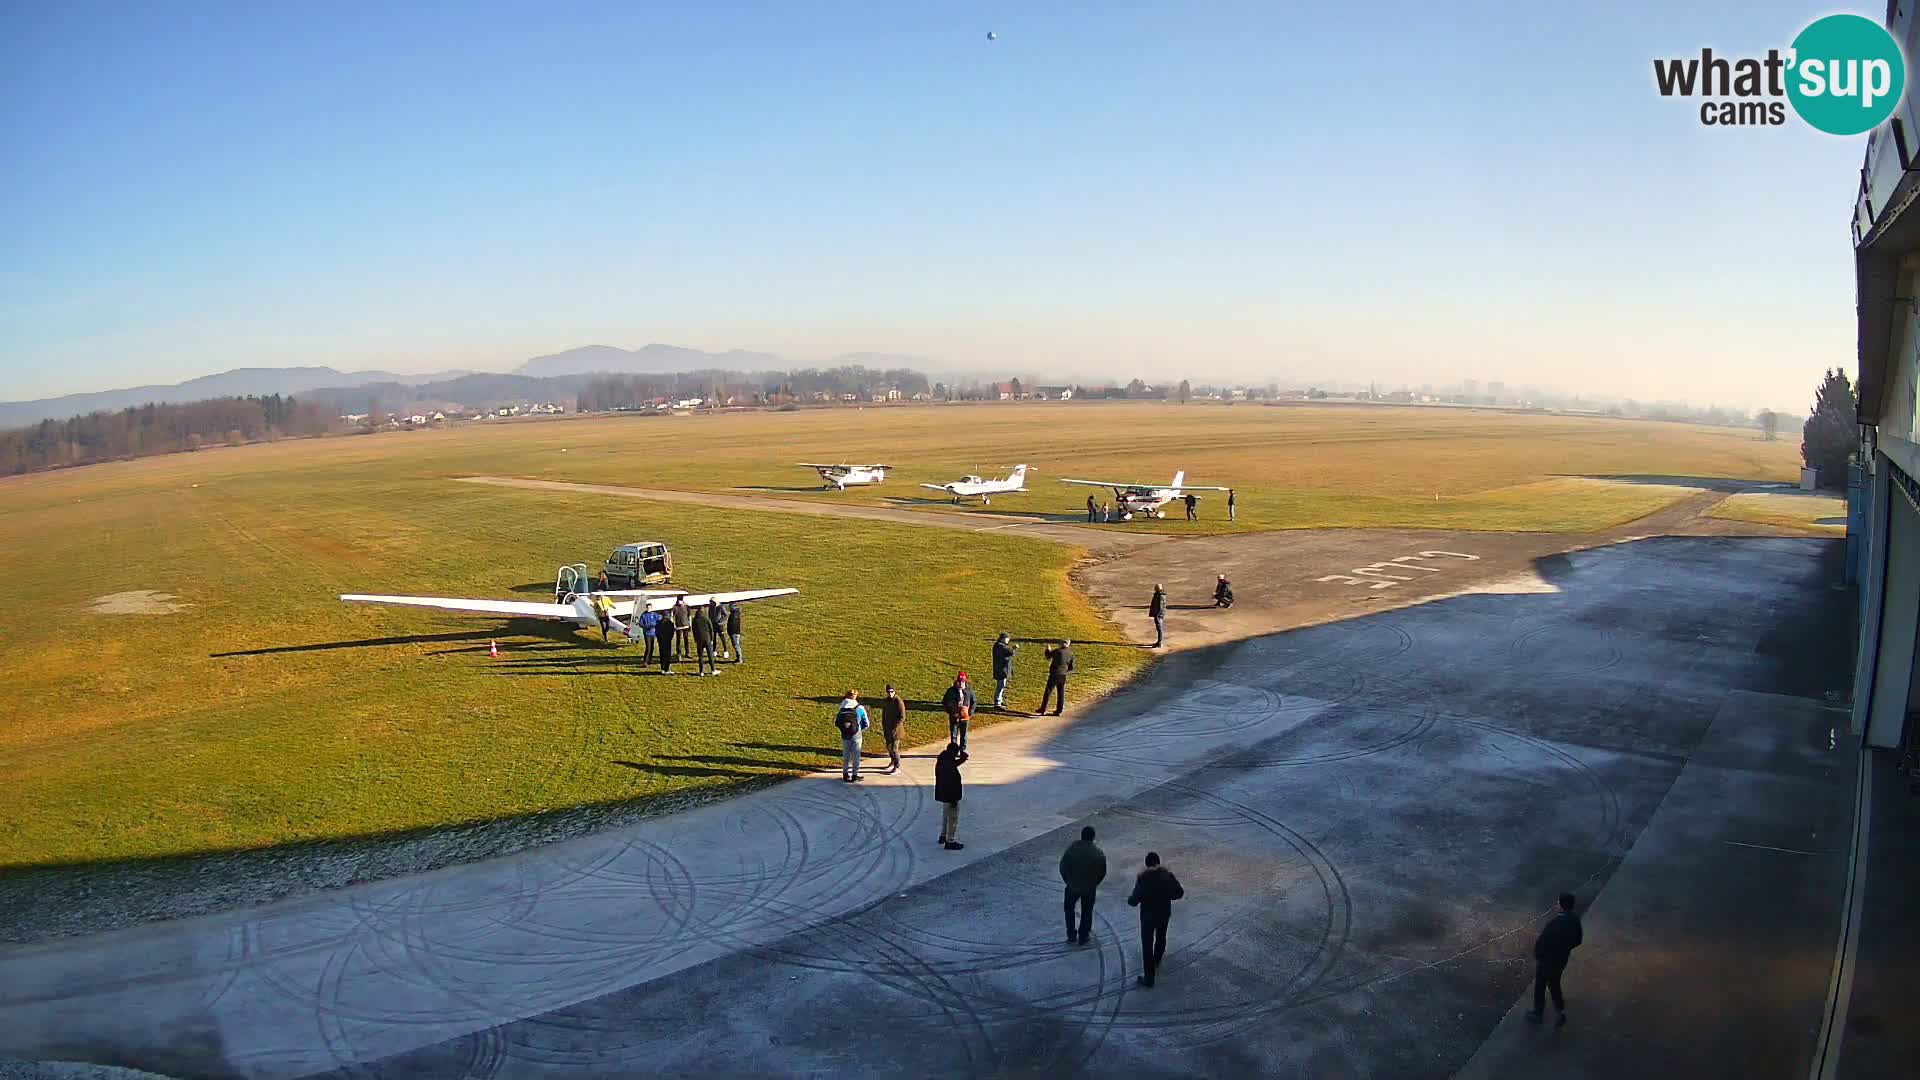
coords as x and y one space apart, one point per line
1100 512
1083 866
1157 607
709 633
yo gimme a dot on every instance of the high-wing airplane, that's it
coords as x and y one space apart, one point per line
972 487
1131 499
580 608
840 477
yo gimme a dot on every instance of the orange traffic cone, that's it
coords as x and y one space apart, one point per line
493 648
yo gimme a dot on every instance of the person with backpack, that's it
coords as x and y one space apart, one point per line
851 720
1222 593
1550 952
1154 892
946 792
733 631
1059 666
1083 868
1193 507
1157 611
1003 651
959 703
893 720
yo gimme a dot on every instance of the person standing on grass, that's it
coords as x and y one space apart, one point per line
851 720
1106 513
1550 952
718 613
1059 666
733 631
1003 651
602 613
893 721
1230 517
1154 892
1157 611
1091 508
682 619
946 792
1193 507
1082 868
703 643
959 703
663 640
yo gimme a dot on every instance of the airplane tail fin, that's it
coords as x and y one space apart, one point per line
1019 477
1179 478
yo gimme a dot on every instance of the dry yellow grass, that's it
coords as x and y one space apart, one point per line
1817 513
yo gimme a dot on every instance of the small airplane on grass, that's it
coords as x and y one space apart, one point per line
840 477
582 609
972 487
1131 499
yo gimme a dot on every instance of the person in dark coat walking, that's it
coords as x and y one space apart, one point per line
959 703
1550 952
1154 892
893 719
1003 651
663 639
1083 868
703 643
1157 611
1092 508
1230 516
733 631
946 792
1193 507
1059 666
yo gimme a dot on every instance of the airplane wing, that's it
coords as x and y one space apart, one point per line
664 603
642 592
821 465
1115 484
1197 487
506 608
937 487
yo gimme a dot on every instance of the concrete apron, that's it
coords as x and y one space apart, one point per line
1709 951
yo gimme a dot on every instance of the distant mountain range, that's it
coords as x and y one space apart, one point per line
542 377
239 382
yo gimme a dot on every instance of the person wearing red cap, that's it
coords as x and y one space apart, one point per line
959 704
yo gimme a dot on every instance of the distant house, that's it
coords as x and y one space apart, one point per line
923 396
1053 393
849 397
822 395
1004 391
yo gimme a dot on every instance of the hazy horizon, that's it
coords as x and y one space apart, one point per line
1488 192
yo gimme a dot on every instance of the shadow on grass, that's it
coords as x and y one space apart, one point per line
1711 483
872 702
512 628
814 489
1077 642
683 771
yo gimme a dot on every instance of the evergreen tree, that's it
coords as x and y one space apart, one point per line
1832 430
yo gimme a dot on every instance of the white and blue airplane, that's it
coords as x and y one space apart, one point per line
973 487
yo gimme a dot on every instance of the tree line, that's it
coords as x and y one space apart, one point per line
143 430
606 392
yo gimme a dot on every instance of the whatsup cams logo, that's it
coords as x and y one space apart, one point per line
1843 74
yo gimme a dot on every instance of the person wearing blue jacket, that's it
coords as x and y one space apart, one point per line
649 623
851 719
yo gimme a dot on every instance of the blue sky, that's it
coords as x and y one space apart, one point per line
1412 193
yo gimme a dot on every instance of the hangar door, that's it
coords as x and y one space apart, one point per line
1893 677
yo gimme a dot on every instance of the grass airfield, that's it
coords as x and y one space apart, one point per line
262 712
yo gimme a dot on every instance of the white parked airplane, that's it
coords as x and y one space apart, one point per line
578 609
1131 499
839 477
972 487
